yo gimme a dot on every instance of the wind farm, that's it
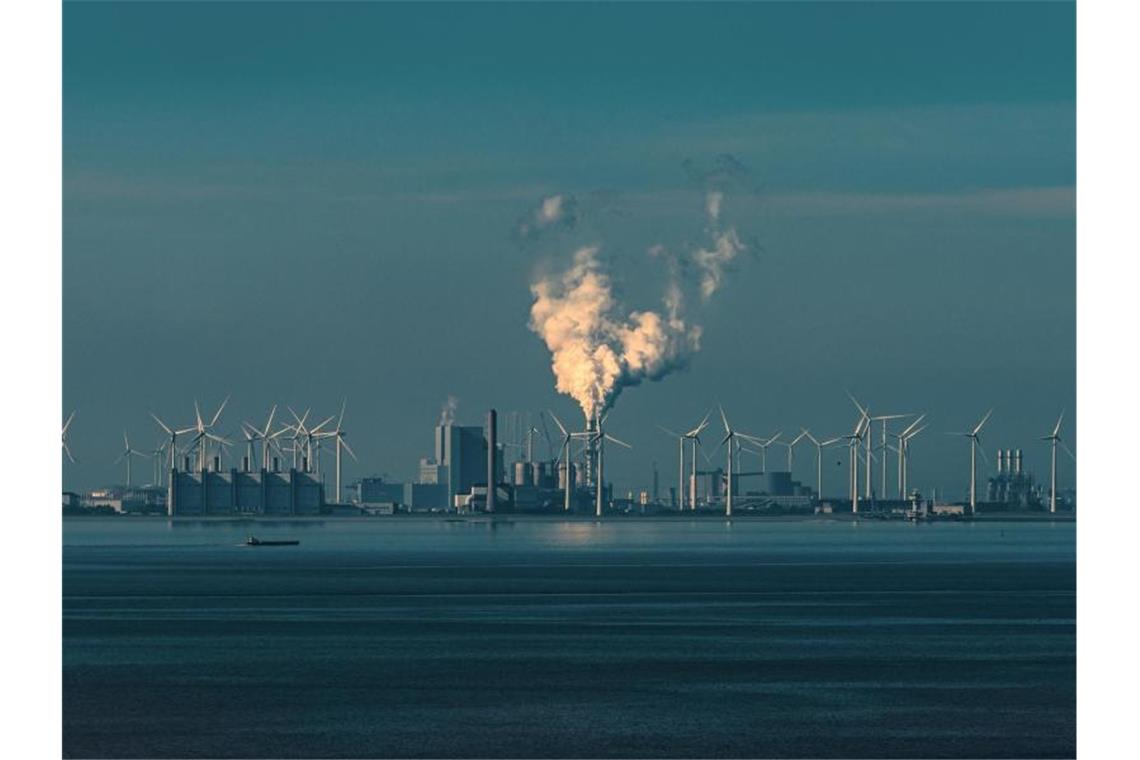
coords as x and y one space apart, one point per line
282 470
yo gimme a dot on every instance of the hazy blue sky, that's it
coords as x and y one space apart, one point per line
294 203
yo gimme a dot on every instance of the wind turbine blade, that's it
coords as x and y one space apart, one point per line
830 441
912 425
269 422
615 440
982 450
67 424
219 439
704 422
775 438
858 406
67 451
126 443
197 414
219 412
119 459
1066 448
161 424
983 422
324 422
558 422
669 432
1057 427
916 432
724 419
810 437
348 448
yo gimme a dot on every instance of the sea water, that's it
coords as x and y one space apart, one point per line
517 637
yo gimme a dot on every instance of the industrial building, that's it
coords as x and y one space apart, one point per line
1011 487
234 492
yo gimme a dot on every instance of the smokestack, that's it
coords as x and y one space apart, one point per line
1018 462
276 464
999 461
245 464
217 464
492 446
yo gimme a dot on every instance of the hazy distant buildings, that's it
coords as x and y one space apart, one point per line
372 491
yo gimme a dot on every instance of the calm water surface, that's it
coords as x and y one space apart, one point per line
543 638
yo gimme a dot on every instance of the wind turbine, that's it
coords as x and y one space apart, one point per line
252 433
203 435
1054 439
600 436
730 437
819 446
128 452
910 431
975 439
564 454
882 419
173 445
338 435
792 446
156 457
866 440
764 449
853 440
308 435
694 436
63 437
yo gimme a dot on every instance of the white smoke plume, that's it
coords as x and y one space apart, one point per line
560 211
712 261
598 346
447 412
597 349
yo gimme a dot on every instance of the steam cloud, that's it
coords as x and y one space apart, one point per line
553 211
596 349
599 347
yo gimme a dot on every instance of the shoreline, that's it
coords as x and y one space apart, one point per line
1007 517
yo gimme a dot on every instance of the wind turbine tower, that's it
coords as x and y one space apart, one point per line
1054 439
730 437
975 439
128 452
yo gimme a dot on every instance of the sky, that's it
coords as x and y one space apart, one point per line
300 204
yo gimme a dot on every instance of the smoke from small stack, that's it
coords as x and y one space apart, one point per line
447 412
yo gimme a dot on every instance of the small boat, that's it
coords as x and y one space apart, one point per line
251 541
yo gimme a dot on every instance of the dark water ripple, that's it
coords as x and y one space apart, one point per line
420 638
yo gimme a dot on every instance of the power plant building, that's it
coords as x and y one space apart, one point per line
461 454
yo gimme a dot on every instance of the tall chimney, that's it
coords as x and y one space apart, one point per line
999 461
1018 461
492 445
